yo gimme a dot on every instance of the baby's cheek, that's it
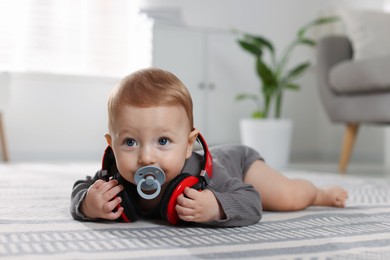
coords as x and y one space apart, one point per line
126 173
169 176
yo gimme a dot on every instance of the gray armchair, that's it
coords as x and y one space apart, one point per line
352 92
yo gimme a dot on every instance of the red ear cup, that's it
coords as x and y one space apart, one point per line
174 189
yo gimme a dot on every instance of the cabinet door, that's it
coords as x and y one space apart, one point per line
230 71
215 70
181 51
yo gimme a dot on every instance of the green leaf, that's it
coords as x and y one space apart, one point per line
298 70
265 73
323 20
316 22
292 86
269 90
244 96
260 41
257 114
307 41
251 48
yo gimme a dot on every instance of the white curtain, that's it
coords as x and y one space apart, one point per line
92 37
386 6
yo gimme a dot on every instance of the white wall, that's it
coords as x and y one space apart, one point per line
56 117
65 117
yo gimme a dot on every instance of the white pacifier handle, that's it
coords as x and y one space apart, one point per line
148 196
149 178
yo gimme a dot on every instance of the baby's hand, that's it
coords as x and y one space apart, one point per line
99 202
198 206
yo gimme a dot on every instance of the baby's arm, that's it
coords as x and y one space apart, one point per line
226 202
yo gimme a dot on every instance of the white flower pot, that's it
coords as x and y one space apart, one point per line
270 137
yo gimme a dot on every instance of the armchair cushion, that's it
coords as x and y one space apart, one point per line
368 75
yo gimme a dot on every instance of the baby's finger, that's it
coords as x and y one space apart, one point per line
188 218
114 215
108 185
112 192
97 184
185 202
183 211
191 193
111 205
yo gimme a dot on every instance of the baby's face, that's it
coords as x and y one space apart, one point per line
158 136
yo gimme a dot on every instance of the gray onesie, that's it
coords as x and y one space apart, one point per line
240 202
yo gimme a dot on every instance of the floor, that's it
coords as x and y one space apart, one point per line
354 169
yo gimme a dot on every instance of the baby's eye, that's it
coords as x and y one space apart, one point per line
163 141
130 142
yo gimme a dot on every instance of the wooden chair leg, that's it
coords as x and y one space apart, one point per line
348 143
4 148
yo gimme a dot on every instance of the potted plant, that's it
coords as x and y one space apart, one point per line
275 76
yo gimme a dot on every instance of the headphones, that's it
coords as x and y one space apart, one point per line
174 189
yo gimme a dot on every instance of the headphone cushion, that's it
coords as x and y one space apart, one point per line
131 212
174 189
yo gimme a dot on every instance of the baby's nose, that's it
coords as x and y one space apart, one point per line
147 157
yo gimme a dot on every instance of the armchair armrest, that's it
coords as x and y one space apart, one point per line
332 50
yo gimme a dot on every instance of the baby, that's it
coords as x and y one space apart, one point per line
151 124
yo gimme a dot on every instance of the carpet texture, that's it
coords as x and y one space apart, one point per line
35 224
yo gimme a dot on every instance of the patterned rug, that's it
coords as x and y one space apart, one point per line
35 223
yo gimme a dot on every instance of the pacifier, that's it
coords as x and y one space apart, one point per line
149 178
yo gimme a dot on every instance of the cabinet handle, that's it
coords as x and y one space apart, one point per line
211 86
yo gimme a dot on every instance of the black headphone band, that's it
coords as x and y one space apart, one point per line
207 169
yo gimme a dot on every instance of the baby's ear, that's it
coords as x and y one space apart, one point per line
191 140
108 139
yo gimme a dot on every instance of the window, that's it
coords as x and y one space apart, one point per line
93 37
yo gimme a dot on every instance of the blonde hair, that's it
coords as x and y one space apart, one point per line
150 87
